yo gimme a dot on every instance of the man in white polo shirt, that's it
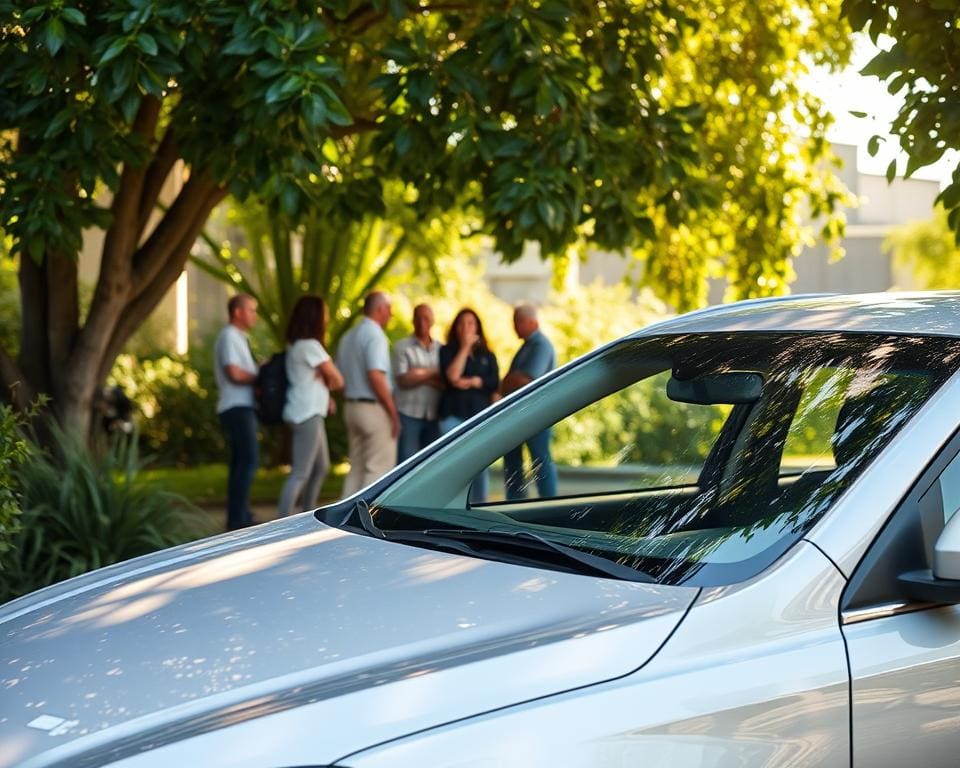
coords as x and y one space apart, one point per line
416 364
371 417
236 372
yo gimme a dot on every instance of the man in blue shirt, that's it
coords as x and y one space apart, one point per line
534 358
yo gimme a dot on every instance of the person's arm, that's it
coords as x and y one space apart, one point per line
414 377
380 387
513 381
238 375
409 376
454 371
331 375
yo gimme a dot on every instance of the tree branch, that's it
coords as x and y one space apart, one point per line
124 233
166 157
165 275
166 238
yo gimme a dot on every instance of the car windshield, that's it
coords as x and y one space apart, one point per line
693 459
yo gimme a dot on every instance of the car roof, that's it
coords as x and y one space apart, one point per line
930 313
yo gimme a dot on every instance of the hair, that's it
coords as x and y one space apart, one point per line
307 320
527 311
235 302
373 301
452 340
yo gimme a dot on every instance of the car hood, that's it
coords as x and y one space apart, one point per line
201 637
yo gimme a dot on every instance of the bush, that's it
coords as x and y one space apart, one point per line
14 451
81 513
177 417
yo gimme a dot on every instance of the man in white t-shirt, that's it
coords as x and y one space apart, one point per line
371 416
236 372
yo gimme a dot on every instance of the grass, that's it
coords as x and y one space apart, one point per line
206 485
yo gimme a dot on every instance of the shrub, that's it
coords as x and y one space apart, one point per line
14 451
177 417
81 513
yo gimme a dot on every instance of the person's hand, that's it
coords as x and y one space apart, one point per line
332 407
461 383
476 382
394 426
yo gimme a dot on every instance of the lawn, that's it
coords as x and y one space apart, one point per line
206 485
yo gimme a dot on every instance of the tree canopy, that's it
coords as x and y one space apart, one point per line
920 59
619 123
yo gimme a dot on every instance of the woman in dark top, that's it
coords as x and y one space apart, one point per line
471 375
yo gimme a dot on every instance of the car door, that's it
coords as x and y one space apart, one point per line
904 656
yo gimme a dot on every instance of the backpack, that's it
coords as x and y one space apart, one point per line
271 389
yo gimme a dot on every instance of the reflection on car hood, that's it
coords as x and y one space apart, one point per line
159 649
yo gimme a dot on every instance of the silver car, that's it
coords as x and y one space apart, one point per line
750 558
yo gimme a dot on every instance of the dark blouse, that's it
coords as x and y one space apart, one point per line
464 403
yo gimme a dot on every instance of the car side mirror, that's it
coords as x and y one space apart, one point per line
942 583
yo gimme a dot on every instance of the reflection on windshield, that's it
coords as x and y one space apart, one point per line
703 492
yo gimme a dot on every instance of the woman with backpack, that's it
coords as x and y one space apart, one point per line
311 377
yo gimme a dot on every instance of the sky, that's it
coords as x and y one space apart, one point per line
850 91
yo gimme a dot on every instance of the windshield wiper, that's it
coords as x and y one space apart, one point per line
466 540
366 519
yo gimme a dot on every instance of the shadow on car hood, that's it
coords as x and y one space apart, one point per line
246 625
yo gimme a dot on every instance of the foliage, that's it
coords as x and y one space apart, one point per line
766 165
176 411
14 452
549 121
927 251
921 49
81 512
9 300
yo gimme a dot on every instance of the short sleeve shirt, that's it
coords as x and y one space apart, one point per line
363 348
232 348
307 393
535 357
418 402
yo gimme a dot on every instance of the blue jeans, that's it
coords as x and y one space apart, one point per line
415 434
543 469
240 426
481 483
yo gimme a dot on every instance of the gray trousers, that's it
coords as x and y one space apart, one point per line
311 462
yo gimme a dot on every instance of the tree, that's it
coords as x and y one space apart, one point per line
558 121
927 250
101 101
921 60
767 166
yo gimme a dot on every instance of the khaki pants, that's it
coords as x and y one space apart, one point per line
373 452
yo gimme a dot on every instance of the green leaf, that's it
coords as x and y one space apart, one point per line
857 113
241 46
950 197
283 89
873 145
74 16
891 171
113 50
147 44
55 34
